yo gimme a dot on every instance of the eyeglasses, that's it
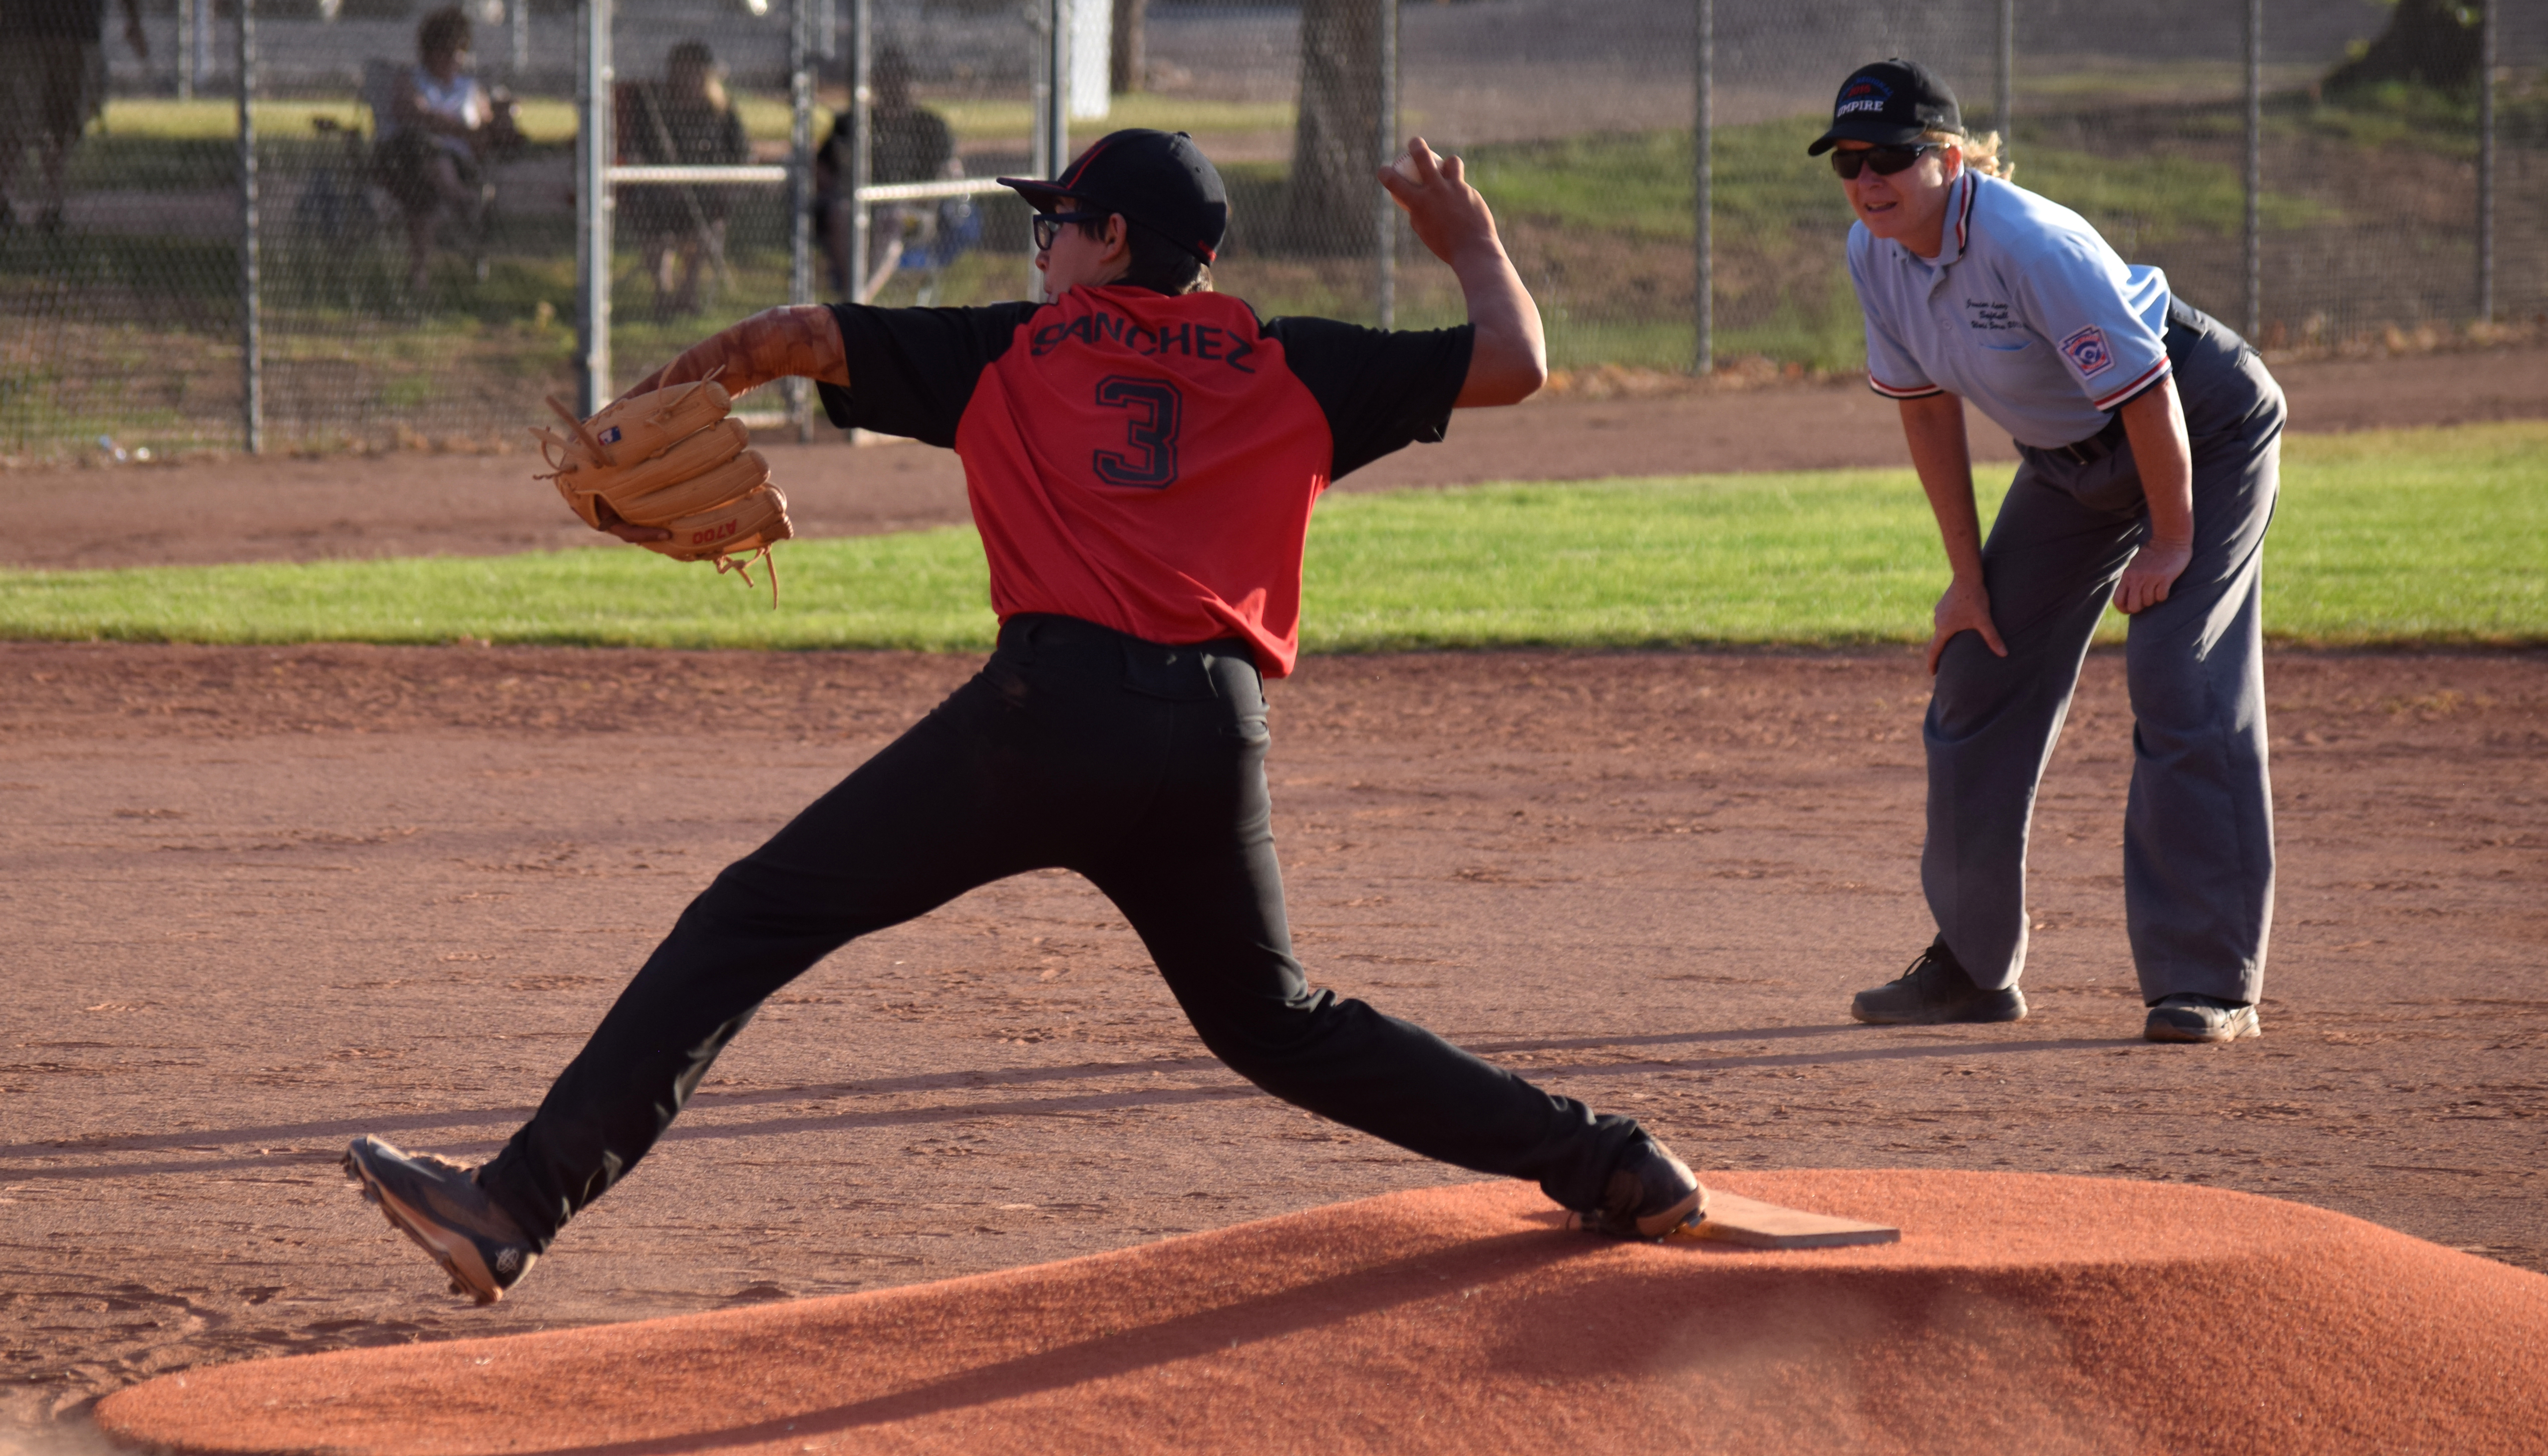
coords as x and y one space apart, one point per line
1887 161
1048 225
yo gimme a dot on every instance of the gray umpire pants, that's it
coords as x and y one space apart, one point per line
2199 827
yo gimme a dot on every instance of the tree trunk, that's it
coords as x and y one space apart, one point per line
2428 42
1127 67
1336 144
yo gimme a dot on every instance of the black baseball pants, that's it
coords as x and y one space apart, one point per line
1142 767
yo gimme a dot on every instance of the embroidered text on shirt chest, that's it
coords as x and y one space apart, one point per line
1989 315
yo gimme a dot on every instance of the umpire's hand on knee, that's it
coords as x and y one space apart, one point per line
2153 569
1966 608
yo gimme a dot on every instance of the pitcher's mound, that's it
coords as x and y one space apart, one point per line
2018 1314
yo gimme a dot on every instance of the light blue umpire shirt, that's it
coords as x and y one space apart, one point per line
2025 311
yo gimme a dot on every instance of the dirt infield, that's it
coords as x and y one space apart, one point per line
260 901
423 504
2019 1312
257 901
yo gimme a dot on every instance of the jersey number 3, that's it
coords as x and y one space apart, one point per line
1151 408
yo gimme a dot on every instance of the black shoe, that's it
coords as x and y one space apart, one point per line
2192 1018
1651 1192
1933 991
438 1203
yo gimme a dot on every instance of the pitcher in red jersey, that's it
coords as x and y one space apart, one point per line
1141 456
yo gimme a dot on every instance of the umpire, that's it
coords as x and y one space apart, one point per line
1141 455
2150 437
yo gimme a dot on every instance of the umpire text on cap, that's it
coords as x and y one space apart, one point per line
1890 104
1159 179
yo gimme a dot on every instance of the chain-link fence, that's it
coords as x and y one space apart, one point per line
1578 122
406 288
2291 163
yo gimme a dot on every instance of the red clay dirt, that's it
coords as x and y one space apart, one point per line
2018 1313
430 505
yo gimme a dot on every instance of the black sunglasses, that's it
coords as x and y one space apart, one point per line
1887 161
1048 225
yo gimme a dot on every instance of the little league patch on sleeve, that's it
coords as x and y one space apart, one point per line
2087 351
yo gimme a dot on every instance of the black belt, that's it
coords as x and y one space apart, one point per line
1051 629
2094 448
1179 670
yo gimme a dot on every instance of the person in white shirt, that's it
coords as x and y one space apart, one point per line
2150 439
439 127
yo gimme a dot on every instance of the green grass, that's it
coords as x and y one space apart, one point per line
2431 536
2426 536
1002 119
1615 209
923 589
166 119
2435 535
765 116
1638 184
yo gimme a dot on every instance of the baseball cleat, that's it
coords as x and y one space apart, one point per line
438 1203
2190 1018
1936 990
1651 1192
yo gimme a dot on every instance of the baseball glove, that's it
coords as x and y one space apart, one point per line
672 459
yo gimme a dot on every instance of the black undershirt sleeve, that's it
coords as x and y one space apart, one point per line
912 371
1381 390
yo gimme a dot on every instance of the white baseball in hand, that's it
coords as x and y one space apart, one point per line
1408 169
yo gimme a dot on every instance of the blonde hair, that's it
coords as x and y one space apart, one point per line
1981 154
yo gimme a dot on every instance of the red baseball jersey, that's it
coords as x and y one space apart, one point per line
1143 462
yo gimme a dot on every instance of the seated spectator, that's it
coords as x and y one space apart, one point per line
52 84
436 132
907 144
683 120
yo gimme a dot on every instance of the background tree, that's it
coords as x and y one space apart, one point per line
1336 143
1127 64
2427 42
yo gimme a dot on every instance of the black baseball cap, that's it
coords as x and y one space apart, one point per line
1890 104
1159 180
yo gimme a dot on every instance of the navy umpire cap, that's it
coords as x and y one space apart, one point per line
1159 180
1890 104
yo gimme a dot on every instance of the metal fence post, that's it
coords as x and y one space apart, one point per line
1057 85
519 13
1384 226
2007 97
2490 31
186 50
1050 99
593 209
2255 229
861 159
251 331
199 44
800 192
1703 176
